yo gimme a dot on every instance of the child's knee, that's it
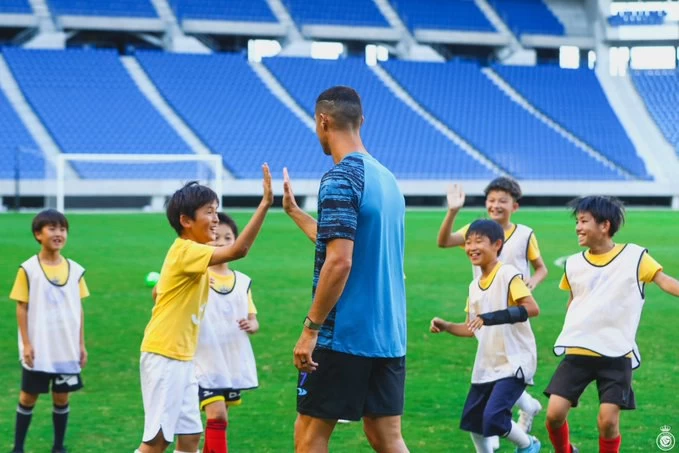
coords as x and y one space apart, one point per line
609 424
27 399
60 399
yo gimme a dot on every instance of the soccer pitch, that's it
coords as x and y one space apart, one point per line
118 251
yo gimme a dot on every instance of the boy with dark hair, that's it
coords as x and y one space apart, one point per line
606 285
498 309
168 383
49 290
225 362
520 250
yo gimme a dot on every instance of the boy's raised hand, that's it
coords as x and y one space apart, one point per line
455 196
267 197
289 202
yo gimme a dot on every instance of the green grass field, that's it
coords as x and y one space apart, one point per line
118 251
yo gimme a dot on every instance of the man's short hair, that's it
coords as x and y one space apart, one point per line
504 184
489 229
187 201
343 104
50 217
601 208
225 219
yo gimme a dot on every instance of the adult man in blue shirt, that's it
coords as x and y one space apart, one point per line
351 354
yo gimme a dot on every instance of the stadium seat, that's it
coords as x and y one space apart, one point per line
461 96
637 18
89 104
16 142
660 91
528 17
233 112
15 7
396 135
437 15
117 8
579 104
227 10
349 13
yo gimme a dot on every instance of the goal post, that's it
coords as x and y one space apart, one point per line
151 175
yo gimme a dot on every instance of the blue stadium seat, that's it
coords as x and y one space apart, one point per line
447 15
15 141
89 104
229 10
660 91
638 18
332 12
234 113
115 8
15 7
528 17
461 96
396 135
574 99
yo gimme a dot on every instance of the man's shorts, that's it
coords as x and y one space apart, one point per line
613 376
488 408
36 382
345 386
230 397
169 388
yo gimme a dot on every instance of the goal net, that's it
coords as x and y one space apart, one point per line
130 180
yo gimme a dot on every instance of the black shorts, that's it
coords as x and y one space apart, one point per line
613 376
345 386
231 397
36 382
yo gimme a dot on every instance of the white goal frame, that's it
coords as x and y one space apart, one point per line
214 159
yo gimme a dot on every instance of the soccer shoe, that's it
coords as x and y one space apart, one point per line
495 442
574 449
534 446
59 450
526 418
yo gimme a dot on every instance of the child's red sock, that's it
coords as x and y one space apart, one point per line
609 445
215 437
560 438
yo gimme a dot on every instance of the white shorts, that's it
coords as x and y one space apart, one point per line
169 390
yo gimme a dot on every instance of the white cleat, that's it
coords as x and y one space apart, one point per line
526 418
495 442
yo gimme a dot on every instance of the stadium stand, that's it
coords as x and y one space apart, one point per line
660 92
228 10
637 18
437 15
15 7
461 96
117 8
393 133
221 98
528 17
89 104
579 105
355 13
16 142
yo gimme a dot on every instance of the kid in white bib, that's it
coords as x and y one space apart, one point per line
498 308
606 285
224 360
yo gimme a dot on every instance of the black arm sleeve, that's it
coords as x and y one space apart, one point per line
509 316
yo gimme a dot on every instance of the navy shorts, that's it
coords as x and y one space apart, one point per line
36 382
488 409
345 386
613 376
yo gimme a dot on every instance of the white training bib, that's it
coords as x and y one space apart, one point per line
224 358
515 251
606 308
54 319
505 350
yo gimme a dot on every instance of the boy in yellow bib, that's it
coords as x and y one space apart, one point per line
168 382
606 285
49 290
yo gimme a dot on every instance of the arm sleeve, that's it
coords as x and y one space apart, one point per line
339 209
517 291
196 258
84 290
563 284
19 291
648 268
533 248
463 232
252 310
